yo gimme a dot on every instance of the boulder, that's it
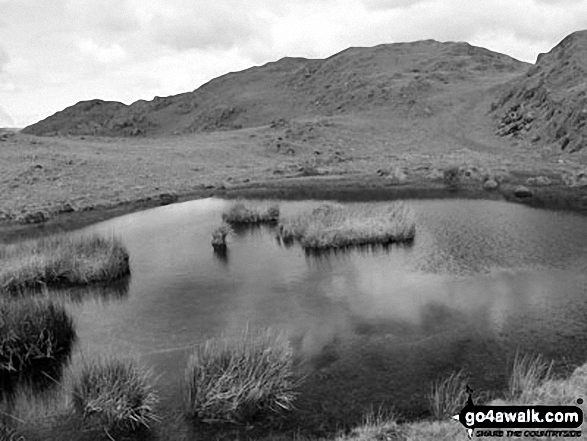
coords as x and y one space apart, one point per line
490 184
66 207
522 192
35 217
167 198
539 180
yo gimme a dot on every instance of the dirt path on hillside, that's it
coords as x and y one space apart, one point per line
468 123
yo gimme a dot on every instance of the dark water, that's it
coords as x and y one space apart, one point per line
482 280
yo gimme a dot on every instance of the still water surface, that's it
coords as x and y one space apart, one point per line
481 280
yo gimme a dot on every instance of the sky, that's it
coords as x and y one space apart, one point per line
54 53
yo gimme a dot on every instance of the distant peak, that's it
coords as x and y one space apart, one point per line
572 46
575 38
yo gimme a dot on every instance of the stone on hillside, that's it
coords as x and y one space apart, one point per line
539 180
522 192
66 207
490 184
167 198
35 217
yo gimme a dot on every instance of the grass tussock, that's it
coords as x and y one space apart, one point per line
220 234
117 392
36 338
448 396
376 425
248 212
61 260
529 372
338 226
29 411
238 379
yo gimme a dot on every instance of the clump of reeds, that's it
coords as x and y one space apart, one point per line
117 392
36 338
528 373
376 425
448 396
337 226
220 234
238 379
62 260
249 212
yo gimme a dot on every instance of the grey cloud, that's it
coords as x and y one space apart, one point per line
559 2
219 31
5 119
390 4
118 23
106 15
3 58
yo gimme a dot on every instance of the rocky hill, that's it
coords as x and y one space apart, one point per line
412 80
548 105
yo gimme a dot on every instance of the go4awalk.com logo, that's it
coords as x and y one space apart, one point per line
521 421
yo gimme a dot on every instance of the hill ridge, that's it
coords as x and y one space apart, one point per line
399 80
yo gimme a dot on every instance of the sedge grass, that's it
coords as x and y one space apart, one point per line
238 379
61 260
118 392
251 212
376 425
36 339
29 410
529 372
220 234
448 396
339 226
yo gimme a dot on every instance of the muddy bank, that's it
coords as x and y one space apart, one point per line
341 187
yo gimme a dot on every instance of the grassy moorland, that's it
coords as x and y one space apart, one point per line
420 119
61 260
330 155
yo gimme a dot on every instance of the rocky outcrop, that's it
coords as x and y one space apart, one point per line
522 192
96 118
548 105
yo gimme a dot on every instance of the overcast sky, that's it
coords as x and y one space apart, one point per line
54 53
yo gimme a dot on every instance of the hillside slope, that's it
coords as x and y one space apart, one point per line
548 105
402 79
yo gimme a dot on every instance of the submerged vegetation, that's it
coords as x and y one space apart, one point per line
238 379
117 392
249 212
36 338
338 226
61 260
